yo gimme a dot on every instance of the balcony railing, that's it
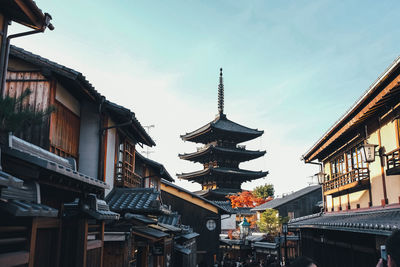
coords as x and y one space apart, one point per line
354 175
126 178
393 162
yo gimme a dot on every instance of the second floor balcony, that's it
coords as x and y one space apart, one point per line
393 162
345 181
126 178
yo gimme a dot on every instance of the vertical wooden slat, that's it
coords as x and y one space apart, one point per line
32 245
102 241
81 243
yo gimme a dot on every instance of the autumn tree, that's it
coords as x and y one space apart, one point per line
264 191
245 199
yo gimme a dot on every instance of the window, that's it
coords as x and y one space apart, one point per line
125 165
291 214
350 160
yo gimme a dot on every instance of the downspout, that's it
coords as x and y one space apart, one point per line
6 52
100 165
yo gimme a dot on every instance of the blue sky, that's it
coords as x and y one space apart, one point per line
291 68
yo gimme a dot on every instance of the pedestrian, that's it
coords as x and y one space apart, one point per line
392 250
303 262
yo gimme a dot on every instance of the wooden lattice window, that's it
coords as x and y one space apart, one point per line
125 166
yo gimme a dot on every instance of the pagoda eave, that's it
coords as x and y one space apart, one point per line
204 155
220 172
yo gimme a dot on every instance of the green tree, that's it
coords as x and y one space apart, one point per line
264 191
269 221
16 116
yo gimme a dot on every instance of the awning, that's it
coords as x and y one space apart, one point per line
266 245
9 180
149 233
190 235
21 208
182 249
139 217
381 222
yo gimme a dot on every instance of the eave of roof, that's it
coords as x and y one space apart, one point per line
351 112
277 202
380 222
162 171
250 154
223 171
143 135
193 195
27 13
221 123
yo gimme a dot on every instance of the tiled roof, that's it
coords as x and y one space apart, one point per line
135 200
163 172
35 158
242 154
221 123
231 172
171 219
28 209
276 202
382 221
150 232
227 206
140 217
9 180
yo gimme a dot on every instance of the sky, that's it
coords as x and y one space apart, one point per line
291 68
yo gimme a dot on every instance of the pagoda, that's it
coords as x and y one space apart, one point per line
221 154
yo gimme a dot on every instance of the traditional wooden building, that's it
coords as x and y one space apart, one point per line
200 214
303 202
359 158
221 154
57 218
136 239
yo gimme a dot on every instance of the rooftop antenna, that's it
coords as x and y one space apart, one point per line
221 93
147 151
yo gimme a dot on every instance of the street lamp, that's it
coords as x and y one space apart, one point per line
368 151
321 177
244 228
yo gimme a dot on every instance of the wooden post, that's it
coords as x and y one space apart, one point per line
102 241
384 201
81 245
32 245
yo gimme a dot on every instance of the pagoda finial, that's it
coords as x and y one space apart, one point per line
221 93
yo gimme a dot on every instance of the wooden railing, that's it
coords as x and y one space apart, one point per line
346 178
126 178
393 159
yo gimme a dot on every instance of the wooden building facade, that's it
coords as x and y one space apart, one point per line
361 186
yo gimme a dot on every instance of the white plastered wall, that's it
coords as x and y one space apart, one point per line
110 156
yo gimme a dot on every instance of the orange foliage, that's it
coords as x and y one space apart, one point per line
246 199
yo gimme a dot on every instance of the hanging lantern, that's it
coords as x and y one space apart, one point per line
368 151
321 177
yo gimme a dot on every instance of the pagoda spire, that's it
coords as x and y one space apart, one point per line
221 93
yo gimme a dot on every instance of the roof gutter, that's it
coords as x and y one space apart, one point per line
5 47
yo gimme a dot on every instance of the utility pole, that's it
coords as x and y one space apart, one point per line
147 151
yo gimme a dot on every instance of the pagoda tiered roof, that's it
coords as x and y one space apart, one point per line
238 154
222 129
213 173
